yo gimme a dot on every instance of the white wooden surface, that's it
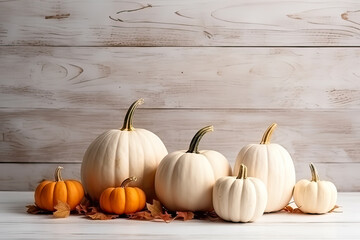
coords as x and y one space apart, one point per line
15 223
180 23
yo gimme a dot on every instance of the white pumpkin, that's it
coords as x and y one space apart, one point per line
315 196
118 154
272 164
241 198
184 179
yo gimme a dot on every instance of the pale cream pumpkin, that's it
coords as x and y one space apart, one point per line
241 198
272 164
315 196
184 179
118 154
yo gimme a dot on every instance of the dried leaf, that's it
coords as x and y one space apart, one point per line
33 209
96 214
155 208
101 216
166 217
156 211
288 209
81 209
185 215
143 215
62 210
333 209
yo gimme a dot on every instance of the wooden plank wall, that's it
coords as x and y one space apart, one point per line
69 70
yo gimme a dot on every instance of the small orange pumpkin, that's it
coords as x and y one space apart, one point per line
123 199
49 193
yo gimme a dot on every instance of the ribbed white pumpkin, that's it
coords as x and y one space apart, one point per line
241 198
184 179
118 154
272 164
315 196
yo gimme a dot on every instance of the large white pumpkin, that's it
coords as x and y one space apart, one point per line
241 198
272 164
184 179
118 154
315 196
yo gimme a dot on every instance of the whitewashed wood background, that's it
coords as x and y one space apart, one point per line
69 69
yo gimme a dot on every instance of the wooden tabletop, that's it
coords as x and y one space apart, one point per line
15 223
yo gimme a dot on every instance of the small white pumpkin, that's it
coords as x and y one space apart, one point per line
315 196
184 179
118 154
272 164
241 198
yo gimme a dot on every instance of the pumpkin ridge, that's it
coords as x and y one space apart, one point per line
251 185
110 201
115 183
48 191
230 199
92 151
105 166
150 148
38 193
284 184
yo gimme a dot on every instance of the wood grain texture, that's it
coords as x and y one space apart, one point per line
246 78
180 23
62 135
25 177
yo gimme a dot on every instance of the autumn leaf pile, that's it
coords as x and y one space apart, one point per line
152 212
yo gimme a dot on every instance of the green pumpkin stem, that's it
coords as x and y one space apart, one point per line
129 115
194 144
127 181
268 133
58 177
242 172
314 173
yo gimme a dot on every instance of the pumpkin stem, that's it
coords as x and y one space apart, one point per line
314 173
127 181
242 172
129 115
58 177
268 133
194 144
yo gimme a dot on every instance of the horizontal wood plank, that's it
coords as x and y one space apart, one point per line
180 23
62 135
25 177
247 78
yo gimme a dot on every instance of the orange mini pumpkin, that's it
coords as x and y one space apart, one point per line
48 193
123 199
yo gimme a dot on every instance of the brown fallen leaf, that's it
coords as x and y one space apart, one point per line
157 212
33 209
95 213
81 209
101 216
155 208
143 215
62 210
184 215
166 217
333 209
